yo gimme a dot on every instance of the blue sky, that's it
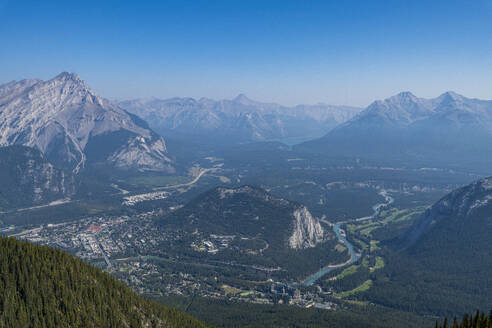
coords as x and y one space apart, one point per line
339 52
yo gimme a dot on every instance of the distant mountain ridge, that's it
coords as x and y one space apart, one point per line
406 109
240 119
74 127
447 128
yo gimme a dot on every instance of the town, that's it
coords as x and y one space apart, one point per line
136 251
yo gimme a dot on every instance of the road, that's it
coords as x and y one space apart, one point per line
53 203
202 172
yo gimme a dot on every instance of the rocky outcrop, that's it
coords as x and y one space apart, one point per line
308 231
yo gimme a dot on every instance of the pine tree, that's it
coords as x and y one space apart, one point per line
43 287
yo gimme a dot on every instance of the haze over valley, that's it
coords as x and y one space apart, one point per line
245 164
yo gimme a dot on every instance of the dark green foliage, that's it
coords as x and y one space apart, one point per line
446 270
478 320
250 212
247 315
43 287
27 179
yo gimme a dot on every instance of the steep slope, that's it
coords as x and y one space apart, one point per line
444 267
449 127
74 127
458 208
28 179
43 287
240 119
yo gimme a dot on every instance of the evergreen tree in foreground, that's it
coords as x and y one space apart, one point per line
479 320
44 287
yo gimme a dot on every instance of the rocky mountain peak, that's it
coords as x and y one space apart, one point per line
63 115
450 99
405 96
451 94
67 76
244 100
69 87
401 108
403 100
241 97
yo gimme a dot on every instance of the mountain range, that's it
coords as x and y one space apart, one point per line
73 127
448 128
240 119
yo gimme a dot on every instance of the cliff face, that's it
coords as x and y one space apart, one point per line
308 232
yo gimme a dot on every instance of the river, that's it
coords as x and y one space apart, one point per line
354 256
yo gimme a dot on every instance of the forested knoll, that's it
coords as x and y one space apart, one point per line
43 287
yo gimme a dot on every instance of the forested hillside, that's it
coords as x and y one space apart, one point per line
43 287
28 179
444 268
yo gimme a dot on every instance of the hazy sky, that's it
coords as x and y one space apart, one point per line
338 52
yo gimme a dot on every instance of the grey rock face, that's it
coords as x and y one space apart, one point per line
61 116
308 232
